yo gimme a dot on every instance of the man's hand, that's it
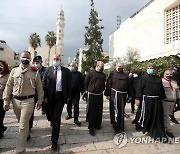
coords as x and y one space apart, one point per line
6 107
45 100
38 106
137 101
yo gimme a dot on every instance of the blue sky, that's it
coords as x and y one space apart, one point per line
20 18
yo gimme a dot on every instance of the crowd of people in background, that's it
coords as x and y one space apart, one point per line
33 85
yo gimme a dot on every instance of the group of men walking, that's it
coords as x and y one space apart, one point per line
55 86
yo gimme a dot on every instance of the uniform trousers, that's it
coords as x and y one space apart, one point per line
23 110
167 108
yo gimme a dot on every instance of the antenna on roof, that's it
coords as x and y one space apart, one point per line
118 22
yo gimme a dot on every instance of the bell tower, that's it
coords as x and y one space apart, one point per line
60 35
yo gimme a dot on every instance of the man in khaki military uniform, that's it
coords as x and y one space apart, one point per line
171 90
20 89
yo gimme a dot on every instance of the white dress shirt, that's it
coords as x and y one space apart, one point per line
58 79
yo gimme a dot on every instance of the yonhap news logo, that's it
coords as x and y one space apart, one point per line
121 139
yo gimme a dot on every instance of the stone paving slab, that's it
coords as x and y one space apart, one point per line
75 139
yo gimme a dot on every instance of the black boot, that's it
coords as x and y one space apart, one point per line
173 119
1 134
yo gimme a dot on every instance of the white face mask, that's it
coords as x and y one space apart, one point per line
135 75
56 63
38 66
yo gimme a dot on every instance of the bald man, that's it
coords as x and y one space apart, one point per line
95 85
57 91
20 89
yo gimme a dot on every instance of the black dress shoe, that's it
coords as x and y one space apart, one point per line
29 137
170 134
77 122
4 128
98 127
91 132
1 135
54 146
173 119
68 117
116 131
126 115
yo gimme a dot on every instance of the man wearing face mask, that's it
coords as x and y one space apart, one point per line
57 92
175 77
77 87
95 85
20 89
171 89
37 61
117 88
149 96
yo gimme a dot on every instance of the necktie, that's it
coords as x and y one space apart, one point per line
55 75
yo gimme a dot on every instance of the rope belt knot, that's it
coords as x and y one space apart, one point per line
89 93
143 109
115 101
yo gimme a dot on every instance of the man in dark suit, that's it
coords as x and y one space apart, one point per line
57 91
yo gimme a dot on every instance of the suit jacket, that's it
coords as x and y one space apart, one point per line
48 82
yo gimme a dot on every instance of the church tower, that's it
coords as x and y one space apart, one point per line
60 35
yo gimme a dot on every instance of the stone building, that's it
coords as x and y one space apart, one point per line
80 56
7 54
58 48
154 30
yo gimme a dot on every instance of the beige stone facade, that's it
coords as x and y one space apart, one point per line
58 48
81 57
154 31
6 53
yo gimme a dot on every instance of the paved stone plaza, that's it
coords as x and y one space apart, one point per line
74 139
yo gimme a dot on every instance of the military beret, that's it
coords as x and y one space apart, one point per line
37 58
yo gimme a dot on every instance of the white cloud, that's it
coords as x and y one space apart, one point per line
19 18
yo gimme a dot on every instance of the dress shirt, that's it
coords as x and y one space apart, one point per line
58 79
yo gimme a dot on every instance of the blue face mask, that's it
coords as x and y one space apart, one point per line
56 63
72 69
38 66
150 71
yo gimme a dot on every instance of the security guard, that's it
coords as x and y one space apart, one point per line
37 61
20 89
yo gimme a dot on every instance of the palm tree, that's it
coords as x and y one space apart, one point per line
51 41
34 41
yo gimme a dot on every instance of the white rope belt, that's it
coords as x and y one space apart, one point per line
115 102
89 93
143 109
